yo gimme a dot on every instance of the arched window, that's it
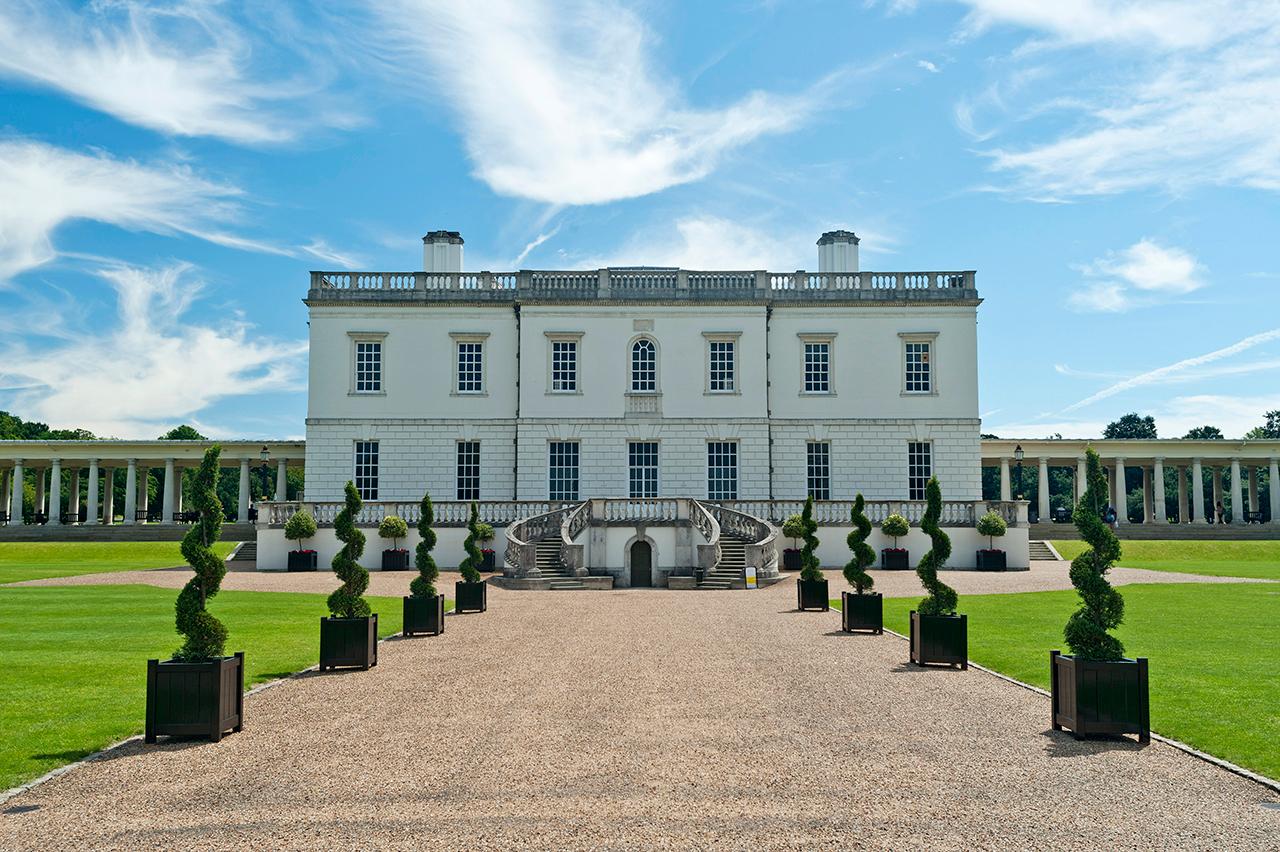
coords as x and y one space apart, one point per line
644 366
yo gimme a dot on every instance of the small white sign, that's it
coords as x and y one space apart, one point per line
751 576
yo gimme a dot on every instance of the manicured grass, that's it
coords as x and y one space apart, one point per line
37 560
1253 559
73 660
1212 650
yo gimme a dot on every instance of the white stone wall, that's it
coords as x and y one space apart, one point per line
273 548
833 548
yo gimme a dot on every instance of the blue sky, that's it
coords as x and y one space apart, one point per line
170 172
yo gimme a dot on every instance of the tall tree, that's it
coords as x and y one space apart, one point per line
1132 425
1204 433
1270 429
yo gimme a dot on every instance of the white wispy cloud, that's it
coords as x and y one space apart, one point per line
321 250
1233 414
154 367
533 244
1152 270
182 68
561 102
928 66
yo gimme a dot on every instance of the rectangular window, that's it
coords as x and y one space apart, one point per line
562 470
564 366
368 366
468 470
919 377
470 367
919 468
722 470
720 366
819 470
642 462
366 469
817 367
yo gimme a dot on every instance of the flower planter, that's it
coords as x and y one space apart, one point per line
862 612
940 639
395 560
791 560
895 559
470 597
991 560
349 642
1100 696
812 594
487 561
302 560
424 615
195 699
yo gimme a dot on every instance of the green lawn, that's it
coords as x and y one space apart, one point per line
1212 651
73 677
37 560
1254 559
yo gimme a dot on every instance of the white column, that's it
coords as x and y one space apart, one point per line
242 508
1273 471
1237 494
1184 515
73 504
1120 498
131 492
109 496
1042 496
5 485
1217 492
177 484
1146 494
1082 477
15 496
166 505
1157 476
144 492
1197 491
40 508
1253 488
91 516
282 482
1006 493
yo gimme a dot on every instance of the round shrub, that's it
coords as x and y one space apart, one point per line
300 526
484 532
992 525
793 527
895 526
394 528
855 570
206 636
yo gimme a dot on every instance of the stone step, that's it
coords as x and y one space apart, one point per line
1040 551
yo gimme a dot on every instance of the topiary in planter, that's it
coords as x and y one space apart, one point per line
394 528
860 611
792 528
424 607
299 527
938 635
470 594
991 525
484 534
811 588
895 526
206 637
1102 607
347 600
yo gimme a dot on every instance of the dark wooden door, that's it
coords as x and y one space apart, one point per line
641 564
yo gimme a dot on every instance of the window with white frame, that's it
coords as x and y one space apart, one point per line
644 366
818 470
468 470
817 366
564 366
366 469
919 468
368 378
722 470
470 366
642 464
562 470
919 366
721 366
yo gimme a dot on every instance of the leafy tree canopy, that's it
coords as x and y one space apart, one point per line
1205 433
1132 425
1271 427
14 428
183 433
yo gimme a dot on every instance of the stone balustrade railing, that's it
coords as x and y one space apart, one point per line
643 283
574 554
521 555
448 513
955 513
761 549
706 524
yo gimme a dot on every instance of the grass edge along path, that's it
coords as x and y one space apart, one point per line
1211 650
74 679
39 560
1259 560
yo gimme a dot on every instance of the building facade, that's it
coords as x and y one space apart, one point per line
642 382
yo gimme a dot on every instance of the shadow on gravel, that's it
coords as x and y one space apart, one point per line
1064 744
859 635
912 668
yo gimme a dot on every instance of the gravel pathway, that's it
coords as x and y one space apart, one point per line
645 719
389 583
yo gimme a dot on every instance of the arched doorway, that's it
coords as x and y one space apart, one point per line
641 564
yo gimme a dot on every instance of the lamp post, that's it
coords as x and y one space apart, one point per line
1017 456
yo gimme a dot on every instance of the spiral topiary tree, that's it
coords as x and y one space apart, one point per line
347 600
809 566
424 585
1102 607
470 566
206 636
855 570
941 599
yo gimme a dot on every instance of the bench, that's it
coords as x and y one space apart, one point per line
1253 517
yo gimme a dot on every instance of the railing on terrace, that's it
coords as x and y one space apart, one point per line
955 513
448 513
521 556
706 524
761 549
645 283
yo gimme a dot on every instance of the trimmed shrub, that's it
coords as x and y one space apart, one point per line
299 526
347 600
992 525
470 566
206 636
793 528
941 599
484 532
1102 607
394 528
855 570
895 526
423 585
809 566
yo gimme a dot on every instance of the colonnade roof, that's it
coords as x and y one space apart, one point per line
1137 452
116 453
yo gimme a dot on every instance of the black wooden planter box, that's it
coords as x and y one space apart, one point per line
862 612
424 615
812 594
1100 696
395 560
487 561
791 560
895 559
195 699
992 560
349 642
940 639
302 560
470 597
